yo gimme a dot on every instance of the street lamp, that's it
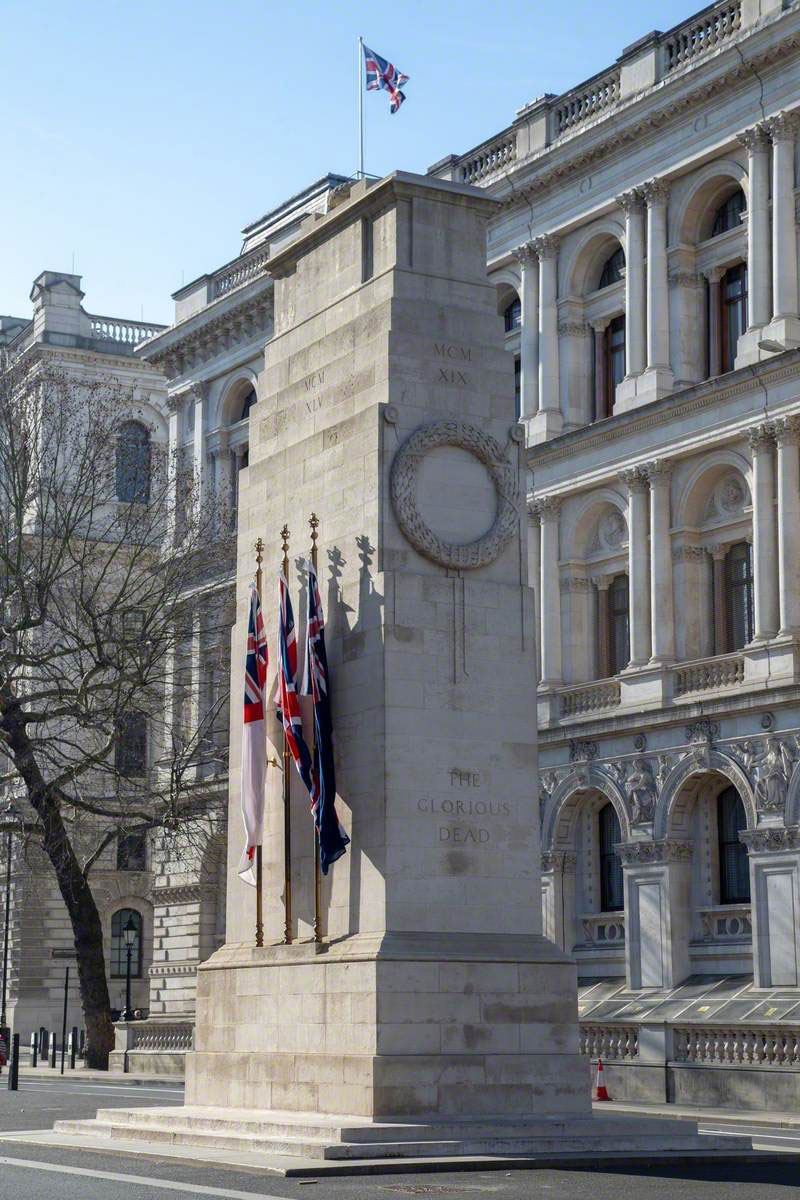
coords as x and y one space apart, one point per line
9 814
130 931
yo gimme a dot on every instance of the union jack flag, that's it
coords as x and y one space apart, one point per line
383 74
332 838
254 747
288 712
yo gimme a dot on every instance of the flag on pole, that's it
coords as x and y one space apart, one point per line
332 838
254 745
288 701
384 75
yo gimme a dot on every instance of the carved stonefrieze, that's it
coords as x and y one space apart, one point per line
487 450
771 840
641 790
563 861
704 730
645 853
582 749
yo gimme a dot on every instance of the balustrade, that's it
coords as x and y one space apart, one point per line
152 1035
590 698
747 1045
698 36
706 674
584 102
728 923
114 329
609 1042
240 272
600 929
493 156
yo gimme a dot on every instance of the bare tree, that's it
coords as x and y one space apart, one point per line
101 536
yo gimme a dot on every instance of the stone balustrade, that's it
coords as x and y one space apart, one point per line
239 272
156 1035
582 103
612 1042
489 158
129 333
708 674
699 35
727 923
593 697
602 929
747 1045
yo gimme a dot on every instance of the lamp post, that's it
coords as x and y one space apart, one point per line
9 814
130 931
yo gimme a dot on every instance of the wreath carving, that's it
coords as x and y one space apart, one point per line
403 486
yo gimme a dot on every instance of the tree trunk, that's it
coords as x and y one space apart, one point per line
75 892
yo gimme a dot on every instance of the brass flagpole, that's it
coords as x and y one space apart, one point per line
259 547
314 523
287 792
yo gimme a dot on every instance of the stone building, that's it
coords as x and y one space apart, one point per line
646 261
85 348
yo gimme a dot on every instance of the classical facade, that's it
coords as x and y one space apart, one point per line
87 349
645 252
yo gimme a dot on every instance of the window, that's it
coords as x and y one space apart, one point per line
611 891
512 317
119 950
618 631
615 357
739 595
729 215
613 268
130 756
517 386
132 852
734 873
733 317
133 464
247 403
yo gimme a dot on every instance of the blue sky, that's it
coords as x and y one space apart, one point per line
141 136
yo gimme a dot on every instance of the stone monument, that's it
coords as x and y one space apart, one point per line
434 1017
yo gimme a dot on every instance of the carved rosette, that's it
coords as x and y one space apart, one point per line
403 485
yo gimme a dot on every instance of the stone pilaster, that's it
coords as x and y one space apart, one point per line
765 542
549 420
662 605
529 330
548 509
658 378
638 566
759 303
784 329
787 436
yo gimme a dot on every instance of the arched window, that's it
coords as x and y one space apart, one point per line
739 595
734 873
133 463
609 834
512 316
247 403
733 315
130 750
729 215
119 945
618 624
612 269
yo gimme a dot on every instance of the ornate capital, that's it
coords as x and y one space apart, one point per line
684 279
546 508
635 479
659 471
783 127
561 861
603 582
754 139
525 254
688 553
761 437
770 839
655 191
574 328
787 431
575 583
631 201
546 246
717 551
647 853
714 274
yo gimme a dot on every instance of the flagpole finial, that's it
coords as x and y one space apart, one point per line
313 521
285 539
259 549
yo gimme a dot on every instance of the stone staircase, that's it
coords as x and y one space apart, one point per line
320 1138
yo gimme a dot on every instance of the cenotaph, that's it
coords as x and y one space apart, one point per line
433 1018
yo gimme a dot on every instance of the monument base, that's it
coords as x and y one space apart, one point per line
342 1139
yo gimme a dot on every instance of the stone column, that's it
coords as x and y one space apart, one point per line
658 912
602 404
198 450
659 369
720 607
223 479
662 611
787 435
559 869
765 547
548 508
638 566
550 419
714 277
529 330
603 583
785 326
756 142
774 857
633 205
534 578
172 469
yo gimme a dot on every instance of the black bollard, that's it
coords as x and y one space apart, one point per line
82 1046
52 1050
73 1047
34 1049
13 1068
42 1043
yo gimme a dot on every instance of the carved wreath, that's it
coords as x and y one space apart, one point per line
486 449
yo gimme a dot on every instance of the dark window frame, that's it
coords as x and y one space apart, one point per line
619 621
729 214
739 596
130 752
733 313
609 834
512 315
615 365
734 868
132 851
612 269
133 463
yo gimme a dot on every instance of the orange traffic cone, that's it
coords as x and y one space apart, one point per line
600 1089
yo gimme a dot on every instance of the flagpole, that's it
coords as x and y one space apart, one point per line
287 791
314 522
359 69
259 547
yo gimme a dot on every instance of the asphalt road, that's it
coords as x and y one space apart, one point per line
30 1172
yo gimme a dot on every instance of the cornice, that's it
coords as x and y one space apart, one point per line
193 335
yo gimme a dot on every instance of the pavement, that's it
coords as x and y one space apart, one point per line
31 1167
